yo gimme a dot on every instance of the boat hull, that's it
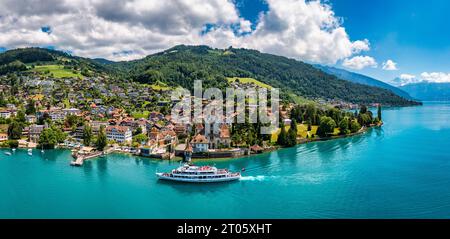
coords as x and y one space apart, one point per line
197 180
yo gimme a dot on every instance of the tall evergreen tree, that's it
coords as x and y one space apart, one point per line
102 141
87 134
354 126
282 137
344 126
363 109
379 112
292 134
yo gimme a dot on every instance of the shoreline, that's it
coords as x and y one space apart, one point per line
275 148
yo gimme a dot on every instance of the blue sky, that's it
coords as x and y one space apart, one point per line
384 39
412 33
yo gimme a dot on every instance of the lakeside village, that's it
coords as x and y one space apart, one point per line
94 116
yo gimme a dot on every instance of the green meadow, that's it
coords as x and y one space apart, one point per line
57 71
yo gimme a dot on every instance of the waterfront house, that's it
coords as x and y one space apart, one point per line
167 137
163 137
6 114
120 134
34 132
221 138
200 144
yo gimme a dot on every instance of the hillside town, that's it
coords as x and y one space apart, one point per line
82 109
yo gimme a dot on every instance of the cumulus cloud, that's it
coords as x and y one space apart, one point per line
129 29
359 46
436 77
405 79
360 62
390 65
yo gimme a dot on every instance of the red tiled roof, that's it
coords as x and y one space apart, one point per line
224 131
121 129
199 139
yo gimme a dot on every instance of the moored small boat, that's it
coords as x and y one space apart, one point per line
30 152
8 153
199 174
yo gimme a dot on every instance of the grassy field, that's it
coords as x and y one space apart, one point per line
66 103
143 114
226 53
249 80
3 128
301 131
159 86
58 71
300 100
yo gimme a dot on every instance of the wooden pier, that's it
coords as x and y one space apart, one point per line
77 162
79 159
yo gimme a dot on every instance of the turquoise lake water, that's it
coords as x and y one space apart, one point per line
399 171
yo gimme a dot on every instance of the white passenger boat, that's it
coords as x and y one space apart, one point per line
199 174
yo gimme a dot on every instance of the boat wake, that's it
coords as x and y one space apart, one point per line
253 178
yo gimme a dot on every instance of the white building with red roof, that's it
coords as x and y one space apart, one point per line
120 134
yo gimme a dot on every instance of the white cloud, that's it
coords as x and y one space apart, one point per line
305 30
389 65
245 26
436 77
407 77
359 46
360 62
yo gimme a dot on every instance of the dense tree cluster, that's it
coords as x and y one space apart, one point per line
328 119
50 137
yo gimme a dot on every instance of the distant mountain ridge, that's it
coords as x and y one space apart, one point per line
362 79
182 64
428 91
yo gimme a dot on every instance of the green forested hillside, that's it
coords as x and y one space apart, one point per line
428 91
362 79
36 59
181 65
